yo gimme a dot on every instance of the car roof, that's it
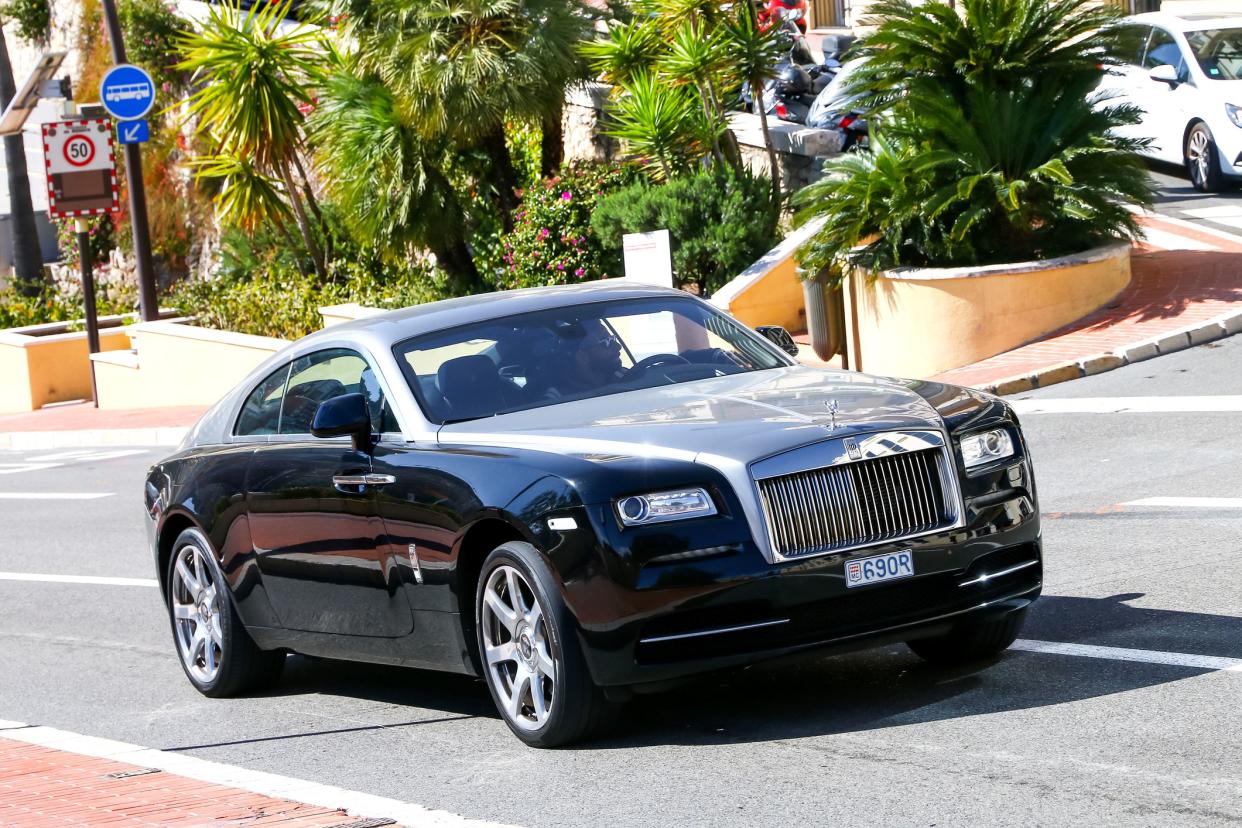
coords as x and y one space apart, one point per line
1186 22
397 325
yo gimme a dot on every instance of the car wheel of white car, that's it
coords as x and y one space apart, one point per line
1202 160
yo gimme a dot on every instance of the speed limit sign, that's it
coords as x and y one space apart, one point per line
81 168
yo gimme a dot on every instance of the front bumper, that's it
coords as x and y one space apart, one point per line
722 605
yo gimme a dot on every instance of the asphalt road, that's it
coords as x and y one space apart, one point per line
1176 198
877 738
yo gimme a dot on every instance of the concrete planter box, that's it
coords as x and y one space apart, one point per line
917 322
42 364
177 364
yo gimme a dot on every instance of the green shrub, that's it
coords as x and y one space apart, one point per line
553 242
33 18
152 29
18 310
720 222
260 287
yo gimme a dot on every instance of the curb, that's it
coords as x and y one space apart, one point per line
92 438
1176 340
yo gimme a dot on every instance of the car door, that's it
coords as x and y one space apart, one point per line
319 539
1166 104
1125 84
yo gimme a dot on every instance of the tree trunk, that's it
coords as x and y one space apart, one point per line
27 255
506 176
552 143
772 162
299 212
452 253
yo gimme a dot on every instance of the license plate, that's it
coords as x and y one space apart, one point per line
879 568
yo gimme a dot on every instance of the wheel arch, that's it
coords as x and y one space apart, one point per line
174 524
477 542
1190 125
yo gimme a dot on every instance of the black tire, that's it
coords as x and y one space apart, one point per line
577 709
976 640
241 667
1203 160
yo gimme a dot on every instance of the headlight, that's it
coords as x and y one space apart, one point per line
658 507
986 447
1234 113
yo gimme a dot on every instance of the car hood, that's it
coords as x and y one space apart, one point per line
724 421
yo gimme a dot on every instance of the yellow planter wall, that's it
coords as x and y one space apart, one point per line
39 369
178 364
920 322
769 292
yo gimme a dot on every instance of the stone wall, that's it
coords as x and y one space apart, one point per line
800 151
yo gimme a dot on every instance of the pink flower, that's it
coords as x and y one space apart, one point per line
544 233
560 265
580 272
566 196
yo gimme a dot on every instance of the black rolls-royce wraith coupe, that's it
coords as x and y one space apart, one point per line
582 492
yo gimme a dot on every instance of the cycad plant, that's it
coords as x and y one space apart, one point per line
992 144
252 76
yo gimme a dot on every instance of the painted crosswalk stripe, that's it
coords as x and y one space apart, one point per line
1199 662
53 495
1189 502
355 803
1131 405
97 580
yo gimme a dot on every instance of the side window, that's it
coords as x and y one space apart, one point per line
260 413
1162 49
323 375
1131 40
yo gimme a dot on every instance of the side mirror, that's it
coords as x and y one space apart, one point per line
779 337
347 414
1164 73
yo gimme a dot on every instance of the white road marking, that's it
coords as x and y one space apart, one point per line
18 468
1189 502
1200 662
1164 240
355 803
97 580
53 495
85 455
1223 211
1131 405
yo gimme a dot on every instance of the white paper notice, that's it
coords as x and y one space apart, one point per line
649 258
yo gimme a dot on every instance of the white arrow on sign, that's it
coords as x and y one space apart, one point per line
131 133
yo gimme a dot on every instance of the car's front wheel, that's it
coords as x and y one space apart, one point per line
976 639
216 652
531 657
1203 160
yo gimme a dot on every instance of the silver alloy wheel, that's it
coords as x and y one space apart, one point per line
196 614
517 648
1198 154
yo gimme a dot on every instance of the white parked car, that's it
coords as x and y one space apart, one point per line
1186 74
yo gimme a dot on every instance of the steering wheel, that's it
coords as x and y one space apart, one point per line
657 359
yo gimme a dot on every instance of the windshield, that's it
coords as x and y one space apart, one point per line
1219 52
547 357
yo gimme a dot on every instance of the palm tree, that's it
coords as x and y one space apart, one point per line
992 144
753 53
387 178
27 256
252 78
463 68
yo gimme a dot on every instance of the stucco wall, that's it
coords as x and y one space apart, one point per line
40 368
920 322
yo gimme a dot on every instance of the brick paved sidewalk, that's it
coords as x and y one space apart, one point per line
83 415
40 786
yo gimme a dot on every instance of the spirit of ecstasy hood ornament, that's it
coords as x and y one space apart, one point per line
833 408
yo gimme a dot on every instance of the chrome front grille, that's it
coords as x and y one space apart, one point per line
855 504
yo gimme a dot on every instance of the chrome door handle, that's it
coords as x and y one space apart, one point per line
363 479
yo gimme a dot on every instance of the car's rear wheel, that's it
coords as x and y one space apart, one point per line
218 655
973 640
530 653
1203 160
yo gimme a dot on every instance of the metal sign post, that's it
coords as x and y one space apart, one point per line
81 181
148 301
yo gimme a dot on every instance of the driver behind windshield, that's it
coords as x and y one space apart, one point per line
589 357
